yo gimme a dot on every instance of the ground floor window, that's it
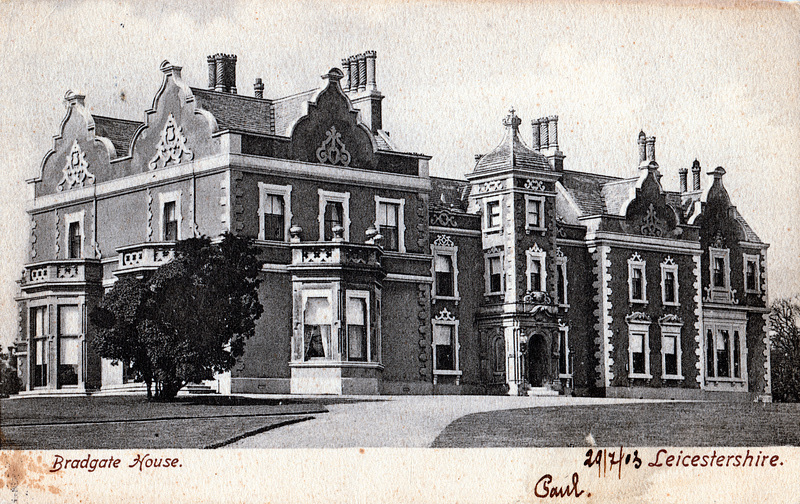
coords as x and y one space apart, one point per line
638 346
445 344
357 314
40 359
724 351
317 328
69 344
564 368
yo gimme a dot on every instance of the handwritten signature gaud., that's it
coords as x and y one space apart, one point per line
545 489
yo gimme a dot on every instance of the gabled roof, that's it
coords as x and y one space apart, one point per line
587 190
119 131
512 152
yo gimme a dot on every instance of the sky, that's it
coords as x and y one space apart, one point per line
716 82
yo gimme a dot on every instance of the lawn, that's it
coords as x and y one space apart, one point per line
648 424
128 422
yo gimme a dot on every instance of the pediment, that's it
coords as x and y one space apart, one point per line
330 132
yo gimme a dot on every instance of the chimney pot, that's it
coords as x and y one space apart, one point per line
544 139
552 130
651 148
642 150
696 175
346 70
371 57
535 127
220 65
258 88
353 73
684 172
362 72
212 72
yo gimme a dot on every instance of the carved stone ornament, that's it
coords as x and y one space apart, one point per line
443 241
535 249
652 225
636 257
443 218
172 146
559 252
76 169
719 240
445 315
494 185
638 317
536 185
332 151
670 319
669 261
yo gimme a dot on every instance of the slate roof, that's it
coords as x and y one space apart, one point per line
119 131
616 193
450 192
587 190
512 152
749 234
237 112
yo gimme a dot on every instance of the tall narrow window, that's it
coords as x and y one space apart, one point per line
39 345
563 353
317 328
737 357
75 240
710 353
334 213
561 291
273 210
356 329
637 353
670 355
719 272
534 215
751 273
669 287
723 354
387 224
536 275
637 287
495 274
170 225
444 275
443 342
69 331
637 282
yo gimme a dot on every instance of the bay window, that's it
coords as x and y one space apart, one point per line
69 344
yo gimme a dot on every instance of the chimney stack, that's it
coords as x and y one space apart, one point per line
258 88
361 86
222 73
696 175
535 127
544 139
651 149
642 149
552 132
684 172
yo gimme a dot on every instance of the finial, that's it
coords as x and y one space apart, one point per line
511 119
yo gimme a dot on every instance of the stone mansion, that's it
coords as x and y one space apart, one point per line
524 277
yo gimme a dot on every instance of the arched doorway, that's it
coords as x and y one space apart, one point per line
538 371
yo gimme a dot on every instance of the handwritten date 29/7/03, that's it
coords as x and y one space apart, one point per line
608 461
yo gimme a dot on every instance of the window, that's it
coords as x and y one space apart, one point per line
669 282
445 345
444 275
357 327
444 269
671 347
637 283
534 212
564 368
334 209
752 274
638 346
495 276
274 211
390 222
493 222
74 234
561 278
719 272
317 328
720 275
537 274
39 345
170 204
725 349
69 345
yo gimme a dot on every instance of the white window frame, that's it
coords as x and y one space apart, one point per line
445 318
335 354
488 276
671 330
639 327
69 219
716 327
565 330
358 294
163 199
443 245
666 267
536 254
487 217
754 258
401 220
723 293
285 191
636 262
561 263
535 226
338 197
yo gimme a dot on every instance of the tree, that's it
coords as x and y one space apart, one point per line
9 380
186 321
785 350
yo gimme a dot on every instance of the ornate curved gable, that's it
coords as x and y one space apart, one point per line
175 130
647 212
78 158
716 215
330 132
